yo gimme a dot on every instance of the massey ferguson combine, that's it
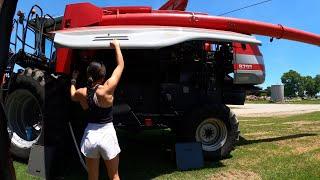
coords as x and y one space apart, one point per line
181 69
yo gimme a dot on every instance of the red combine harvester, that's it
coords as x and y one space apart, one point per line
182 68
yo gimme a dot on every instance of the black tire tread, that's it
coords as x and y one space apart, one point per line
26 80
186 130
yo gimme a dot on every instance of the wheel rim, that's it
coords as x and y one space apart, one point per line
212 133
25 118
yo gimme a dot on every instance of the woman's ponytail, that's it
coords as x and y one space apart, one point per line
96 71
89 82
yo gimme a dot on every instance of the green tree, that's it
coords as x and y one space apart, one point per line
301 86
293 84
268 91
317 82
310 86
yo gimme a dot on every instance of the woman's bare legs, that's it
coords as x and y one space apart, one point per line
112 168
93 168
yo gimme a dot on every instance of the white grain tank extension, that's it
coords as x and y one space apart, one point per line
277 93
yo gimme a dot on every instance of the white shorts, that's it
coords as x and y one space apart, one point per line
100 139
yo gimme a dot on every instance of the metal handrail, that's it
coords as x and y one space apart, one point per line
31 13
54 28
23 42
36 22
15 41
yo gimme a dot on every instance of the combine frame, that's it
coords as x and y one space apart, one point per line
182 68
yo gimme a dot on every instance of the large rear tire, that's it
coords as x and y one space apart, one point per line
24 107
215 127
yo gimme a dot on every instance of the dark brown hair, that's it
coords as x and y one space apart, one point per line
95 72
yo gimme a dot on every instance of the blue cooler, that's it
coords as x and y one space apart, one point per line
189 155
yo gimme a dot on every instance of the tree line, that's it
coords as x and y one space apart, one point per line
297 85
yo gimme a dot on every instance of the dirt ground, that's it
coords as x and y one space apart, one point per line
268 110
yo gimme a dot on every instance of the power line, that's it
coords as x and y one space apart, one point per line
244 7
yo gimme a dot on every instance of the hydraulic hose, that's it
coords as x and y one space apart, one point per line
77 148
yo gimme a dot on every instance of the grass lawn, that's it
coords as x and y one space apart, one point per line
269 148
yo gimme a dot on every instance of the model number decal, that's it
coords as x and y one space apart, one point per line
245 66
249 67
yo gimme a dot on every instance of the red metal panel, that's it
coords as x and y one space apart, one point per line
248 49
207 46
247 58
81 15
175 5
64 58
178 12
127 9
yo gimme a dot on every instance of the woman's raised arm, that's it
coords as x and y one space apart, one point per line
113 81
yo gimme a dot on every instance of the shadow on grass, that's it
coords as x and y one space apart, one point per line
143 156
243 141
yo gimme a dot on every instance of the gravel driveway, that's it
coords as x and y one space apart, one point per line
267 110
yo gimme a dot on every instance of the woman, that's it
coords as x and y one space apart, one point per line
99 138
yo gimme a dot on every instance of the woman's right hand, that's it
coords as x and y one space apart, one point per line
115 44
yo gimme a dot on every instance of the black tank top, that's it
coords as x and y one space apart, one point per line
97 114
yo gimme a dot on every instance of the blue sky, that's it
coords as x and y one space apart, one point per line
279 56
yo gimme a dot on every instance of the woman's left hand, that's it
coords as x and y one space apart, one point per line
75 74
